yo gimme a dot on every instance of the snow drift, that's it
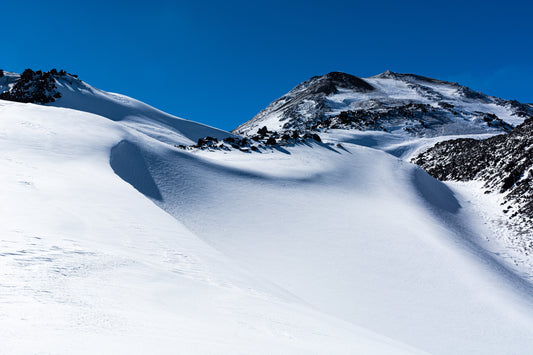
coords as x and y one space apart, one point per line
115 241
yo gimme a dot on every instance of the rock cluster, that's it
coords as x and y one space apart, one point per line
35 87
503 162
414 117
262 139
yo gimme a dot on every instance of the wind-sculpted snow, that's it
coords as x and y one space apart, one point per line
436 194
78 95
357 234
60 89
128 163
115 240
91 265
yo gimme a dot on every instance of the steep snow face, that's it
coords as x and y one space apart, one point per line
405 103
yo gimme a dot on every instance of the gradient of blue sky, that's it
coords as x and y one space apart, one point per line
220 62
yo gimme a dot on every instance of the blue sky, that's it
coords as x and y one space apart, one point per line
220 62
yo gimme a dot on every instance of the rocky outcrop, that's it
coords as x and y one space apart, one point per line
263 139
35 87
504 163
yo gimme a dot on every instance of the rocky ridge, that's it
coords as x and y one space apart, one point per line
504 163
33 86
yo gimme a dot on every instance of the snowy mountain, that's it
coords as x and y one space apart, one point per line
405 114
391 102
115 240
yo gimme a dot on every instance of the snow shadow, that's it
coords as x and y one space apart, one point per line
364 140
399 151
435 192
128 163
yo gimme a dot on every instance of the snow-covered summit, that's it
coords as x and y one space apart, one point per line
393 102
388 74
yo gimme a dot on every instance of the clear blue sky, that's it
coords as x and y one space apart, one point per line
220 62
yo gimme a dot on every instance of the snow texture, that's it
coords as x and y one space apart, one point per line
115 241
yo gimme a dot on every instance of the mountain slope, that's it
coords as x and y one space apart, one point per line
407 114
404 103
90 265
114 240
503 163
357 234
61 89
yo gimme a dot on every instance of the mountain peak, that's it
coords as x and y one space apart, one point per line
331 82
386 74
409 103
408 77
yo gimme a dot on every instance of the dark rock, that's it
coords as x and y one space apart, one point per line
504 163
271 141
263 131
329 83
34 87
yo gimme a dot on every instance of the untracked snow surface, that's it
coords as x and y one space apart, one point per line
90 265
114 241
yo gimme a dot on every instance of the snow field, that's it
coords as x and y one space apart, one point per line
91 265
113 241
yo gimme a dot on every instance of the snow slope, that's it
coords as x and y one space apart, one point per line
115 241
360 235
78 95
89 265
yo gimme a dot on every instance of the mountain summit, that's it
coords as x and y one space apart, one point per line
331 83
416 105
